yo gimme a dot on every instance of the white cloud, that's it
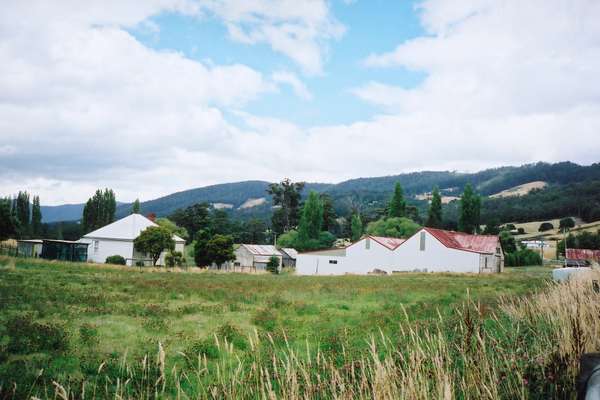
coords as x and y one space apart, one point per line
84 105
291 79
297 29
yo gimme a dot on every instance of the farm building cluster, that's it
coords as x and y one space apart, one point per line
429 250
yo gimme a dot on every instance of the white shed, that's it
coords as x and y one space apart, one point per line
436 250
367 255
253 257
117 239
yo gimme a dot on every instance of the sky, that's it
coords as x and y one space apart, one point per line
158 96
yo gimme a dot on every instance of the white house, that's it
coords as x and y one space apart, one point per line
253 257
117 239
366 255
429 250
437 250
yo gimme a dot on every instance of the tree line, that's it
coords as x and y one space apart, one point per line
20 218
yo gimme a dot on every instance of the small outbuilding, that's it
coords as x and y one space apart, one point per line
117 239
289 257
29 248
64 250
253 257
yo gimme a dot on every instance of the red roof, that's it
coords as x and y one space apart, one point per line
583 254
464 241
389 242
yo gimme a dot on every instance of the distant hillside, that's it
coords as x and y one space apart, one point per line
373 193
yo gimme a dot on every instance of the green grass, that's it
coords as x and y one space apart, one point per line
106 313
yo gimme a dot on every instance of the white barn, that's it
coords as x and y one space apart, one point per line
117 239
429 250
362 257
437 250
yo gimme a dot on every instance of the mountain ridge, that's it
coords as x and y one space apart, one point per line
364 190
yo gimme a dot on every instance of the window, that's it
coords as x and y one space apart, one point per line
367 243
422 242
96 245
332 261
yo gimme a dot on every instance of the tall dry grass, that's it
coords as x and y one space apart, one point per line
529 348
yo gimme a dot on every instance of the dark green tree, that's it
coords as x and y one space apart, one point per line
492 227
219 222
397 207
286 196
329 215
23 215
36 217
470 208
356 227
99 210
153 241
311 220
393 227
545 226
193 218
434 216
219 250
253 232
507 241
566 223
136 208
200 248
8 224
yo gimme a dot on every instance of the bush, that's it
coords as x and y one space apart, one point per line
174 259
522 257
273 265
116 259
545 226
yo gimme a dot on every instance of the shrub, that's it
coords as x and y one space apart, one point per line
545 226
116 259
522 257
273 265
174 259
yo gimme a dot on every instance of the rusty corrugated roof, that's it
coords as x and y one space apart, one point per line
464 241
262 250
389 242
583 254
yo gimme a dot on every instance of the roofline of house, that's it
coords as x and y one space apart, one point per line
178 240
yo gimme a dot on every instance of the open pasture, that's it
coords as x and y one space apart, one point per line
82 325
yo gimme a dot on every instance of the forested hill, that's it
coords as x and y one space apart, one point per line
249 198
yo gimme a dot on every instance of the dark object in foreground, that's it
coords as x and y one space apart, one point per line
588 383
573 263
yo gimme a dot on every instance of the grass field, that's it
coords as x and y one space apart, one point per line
68 329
